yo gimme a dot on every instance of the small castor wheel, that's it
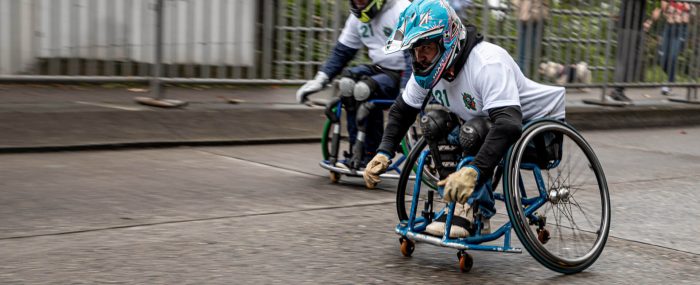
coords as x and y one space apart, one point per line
407 246
335 177
465 261
543 235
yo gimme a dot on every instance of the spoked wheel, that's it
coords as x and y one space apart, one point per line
570 228
404 192
430 176
326 139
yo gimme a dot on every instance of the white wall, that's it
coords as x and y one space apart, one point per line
195 31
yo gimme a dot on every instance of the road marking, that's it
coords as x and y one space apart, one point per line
112 106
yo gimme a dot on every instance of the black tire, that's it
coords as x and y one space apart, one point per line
578 184
411 139
405 187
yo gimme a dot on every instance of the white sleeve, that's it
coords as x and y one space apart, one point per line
496 85
350 35
413 94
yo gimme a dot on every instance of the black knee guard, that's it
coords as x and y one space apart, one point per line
473 133
436 125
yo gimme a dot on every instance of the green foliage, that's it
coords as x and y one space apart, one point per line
576 30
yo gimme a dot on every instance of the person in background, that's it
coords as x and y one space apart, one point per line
532 16
460 7
628 63
369 25
677 17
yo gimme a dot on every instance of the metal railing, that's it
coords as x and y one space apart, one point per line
286 41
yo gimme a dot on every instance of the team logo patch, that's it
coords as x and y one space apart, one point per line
469 102
387 31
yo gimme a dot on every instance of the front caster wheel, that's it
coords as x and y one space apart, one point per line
407 246
465 261
335 177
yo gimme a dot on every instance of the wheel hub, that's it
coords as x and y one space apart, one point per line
557 195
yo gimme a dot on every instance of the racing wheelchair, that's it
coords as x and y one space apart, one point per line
340 163
553 187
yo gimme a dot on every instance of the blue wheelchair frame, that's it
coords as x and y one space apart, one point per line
335 128
414 227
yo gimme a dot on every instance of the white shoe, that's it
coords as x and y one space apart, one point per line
341 165
460 224
462 221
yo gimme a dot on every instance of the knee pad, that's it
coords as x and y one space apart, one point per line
473 133
362 90
437 124
346 85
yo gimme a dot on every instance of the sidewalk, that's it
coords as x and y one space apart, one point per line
63 117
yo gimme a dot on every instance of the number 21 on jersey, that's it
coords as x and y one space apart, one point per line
366 31
441 97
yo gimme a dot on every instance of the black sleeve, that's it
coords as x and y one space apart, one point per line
401 117
506 130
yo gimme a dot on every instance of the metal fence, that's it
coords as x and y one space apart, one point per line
286 41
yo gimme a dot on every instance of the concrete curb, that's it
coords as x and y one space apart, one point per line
634 117
110 129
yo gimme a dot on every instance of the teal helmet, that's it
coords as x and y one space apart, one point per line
429 20
366 13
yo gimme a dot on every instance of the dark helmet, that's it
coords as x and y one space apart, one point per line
366 13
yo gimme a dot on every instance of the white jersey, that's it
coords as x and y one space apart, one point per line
491 79
374 34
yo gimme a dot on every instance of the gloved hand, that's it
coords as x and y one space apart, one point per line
312 86
460 184
375 167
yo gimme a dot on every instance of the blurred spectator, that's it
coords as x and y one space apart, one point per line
629 47
532 15
677 17
460 7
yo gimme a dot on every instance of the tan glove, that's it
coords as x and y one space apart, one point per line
460 184
375 167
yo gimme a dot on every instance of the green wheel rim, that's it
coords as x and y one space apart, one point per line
324 139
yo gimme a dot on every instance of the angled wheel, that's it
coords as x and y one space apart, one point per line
326 140
430 177
404 191
566 187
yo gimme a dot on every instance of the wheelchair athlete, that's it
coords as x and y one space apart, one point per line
479 83
370 25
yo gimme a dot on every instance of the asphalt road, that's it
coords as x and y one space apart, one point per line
267 214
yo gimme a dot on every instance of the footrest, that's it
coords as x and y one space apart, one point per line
357 173
403 230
